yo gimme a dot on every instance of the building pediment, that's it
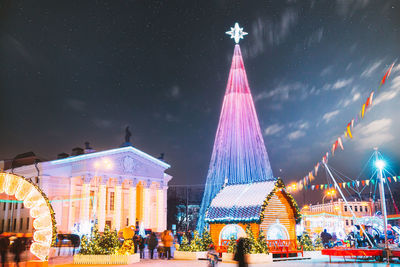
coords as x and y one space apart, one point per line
125 161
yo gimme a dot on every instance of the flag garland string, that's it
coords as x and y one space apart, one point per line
355 183
305 182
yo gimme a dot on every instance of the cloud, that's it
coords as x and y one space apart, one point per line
266 32
330 115
76 104
347 101
175 92
102 123
376 133
273 129
285 92
296 135
371 69
171 118
349 7
389 94
315 37
327 70
341 83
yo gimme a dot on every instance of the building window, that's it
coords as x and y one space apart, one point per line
127 221
355 209
360 208
8 224
351 222
111 200
4 205
22 205
2 225
108 223
366 209
15 225
27 223
21 222
10 206
345 208
347 222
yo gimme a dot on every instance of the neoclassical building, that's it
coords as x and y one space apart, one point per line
117 187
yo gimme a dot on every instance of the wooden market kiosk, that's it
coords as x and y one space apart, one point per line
265 206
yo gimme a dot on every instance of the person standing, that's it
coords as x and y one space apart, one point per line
240 255
4 243
152 243
168 242
135 242
141 246
17 248
326 237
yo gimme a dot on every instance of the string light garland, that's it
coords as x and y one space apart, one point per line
280 185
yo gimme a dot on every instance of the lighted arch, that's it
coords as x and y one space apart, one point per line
40 210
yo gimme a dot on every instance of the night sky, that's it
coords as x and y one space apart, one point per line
76 71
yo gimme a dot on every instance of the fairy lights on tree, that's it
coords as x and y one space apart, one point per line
239 155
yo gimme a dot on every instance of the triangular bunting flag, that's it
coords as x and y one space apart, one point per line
390 179
394 178
363 182
367 182
358 183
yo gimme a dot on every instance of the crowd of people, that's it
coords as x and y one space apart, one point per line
162 244
15 245
361 236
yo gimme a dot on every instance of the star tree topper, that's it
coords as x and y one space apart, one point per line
236 33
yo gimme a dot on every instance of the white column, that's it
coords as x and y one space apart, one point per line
117 206
165 189
160 210
101 212
132 205
71 206
85 203
146 206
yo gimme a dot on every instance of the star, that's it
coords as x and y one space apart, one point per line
236 33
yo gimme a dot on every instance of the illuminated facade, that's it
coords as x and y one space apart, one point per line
117 187
335 216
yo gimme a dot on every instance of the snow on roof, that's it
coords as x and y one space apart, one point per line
240 202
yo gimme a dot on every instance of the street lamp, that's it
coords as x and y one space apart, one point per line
330 193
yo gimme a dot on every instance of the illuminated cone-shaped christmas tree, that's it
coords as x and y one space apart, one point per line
239 155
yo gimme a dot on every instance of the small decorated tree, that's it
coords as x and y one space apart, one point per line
98 244
185 246
196 244
260 246
306 242
206 240
232 245
318 243
250 241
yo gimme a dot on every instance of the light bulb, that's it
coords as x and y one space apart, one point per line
42 222
37 211
23 189
2 181
40 250
44 236
33 198
11 184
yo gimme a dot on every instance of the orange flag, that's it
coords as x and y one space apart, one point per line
363 110
349 130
